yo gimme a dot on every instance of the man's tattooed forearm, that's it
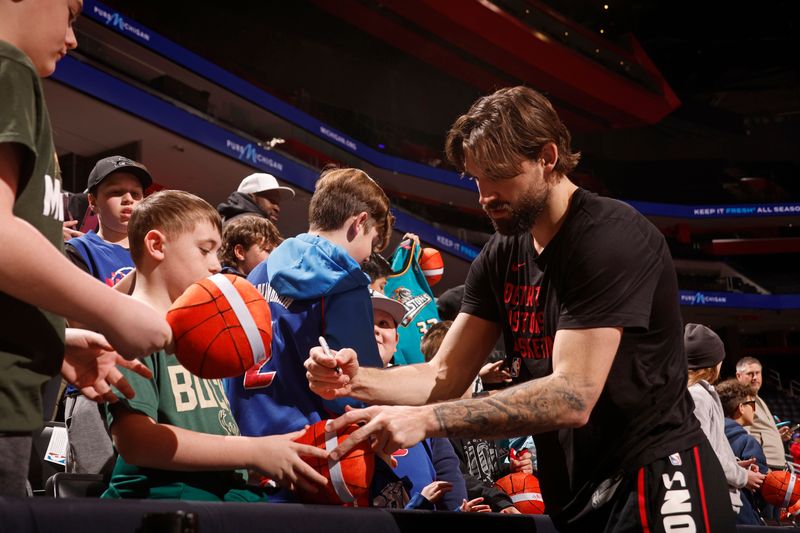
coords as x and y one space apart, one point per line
524 409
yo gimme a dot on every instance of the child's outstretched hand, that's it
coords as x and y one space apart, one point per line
495 372
68 230
90 363
278 457
436 490
747 463
475 506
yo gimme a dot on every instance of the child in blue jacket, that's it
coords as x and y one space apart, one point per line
738 404
315 287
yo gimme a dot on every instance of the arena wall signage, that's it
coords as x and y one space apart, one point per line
739 301
716 211
165 114
144 36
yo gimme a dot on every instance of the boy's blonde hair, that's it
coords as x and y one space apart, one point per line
709 374
171 212
247 231
343 192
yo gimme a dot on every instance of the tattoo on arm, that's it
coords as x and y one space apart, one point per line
532 407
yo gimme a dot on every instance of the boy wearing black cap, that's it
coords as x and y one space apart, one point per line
116 185
705 352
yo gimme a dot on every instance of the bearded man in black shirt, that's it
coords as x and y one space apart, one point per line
584 291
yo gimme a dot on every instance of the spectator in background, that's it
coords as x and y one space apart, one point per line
794 448
430 469
258 194
705 352
739 406
763 428
449 303
246 242
115 187
378 269
496 371
492 373
433 338
78 216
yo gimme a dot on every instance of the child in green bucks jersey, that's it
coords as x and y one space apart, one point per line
177 438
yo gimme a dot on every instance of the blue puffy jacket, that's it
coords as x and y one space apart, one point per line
313 288
745 446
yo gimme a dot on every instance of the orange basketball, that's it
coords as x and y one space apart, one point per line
780 488
524 491
349 478
221 326
432 265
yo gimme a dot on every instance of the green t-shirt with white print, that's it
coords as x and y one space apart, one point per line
176 397
31 340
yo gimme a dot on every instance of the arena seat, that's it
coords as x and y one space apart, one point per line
783 406
69 485
41 470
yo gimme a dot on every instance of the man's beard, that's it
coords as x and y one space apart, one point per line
522 214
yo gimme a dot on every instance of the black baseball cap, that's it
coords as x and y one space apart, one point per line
116 163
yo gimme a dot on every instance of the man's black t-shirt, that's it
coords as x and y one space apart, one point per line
606 267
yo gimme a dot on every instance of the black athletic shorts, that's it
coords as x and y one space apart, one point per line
685 492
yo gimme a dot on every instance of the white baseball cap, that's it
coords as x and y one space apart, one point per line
384 303
259 182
